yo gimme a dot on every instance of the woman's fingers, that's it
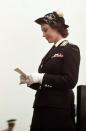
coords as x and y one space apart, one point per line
22 79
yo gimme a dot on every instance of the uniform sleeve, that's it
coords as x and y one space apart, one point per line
34 86
70 70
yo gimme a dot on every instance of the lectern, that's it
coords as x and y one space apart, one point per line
81 108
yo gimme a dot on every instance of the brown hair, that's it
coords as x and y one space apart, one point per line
61 29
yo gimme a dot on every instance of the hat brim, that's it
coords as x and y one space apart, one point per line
11 121
66 26
41 20
44 20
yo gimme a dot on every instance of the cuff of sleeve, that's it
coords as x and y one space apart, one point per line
41 77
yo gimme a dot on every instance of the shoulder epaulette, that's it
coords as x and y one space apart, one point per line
64 43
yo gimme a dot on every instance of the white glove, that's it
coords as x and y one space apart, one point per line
22 79
34 78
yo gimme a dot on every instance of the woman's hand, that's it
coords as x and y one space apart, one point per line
22 79
32 78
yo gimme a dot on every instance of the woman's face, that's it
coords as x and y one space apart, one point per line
49 33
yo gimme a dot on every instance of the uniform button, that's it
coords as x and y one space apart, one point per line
49 86
40 87
46 85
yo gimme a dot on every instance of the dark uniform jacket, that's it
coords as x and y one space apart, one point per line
61 68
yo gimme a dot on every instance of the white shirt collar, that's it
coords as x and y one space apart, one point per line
60 41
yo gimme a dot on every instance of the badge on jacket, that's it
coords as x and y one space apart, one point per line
58 55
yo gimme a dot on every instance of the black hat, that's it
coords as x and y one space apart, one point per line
52 18
11 121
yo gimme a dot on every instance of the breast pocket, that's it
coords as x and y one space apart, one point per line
56 61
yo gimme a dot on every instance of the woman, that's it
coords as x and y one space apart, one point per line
57 76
